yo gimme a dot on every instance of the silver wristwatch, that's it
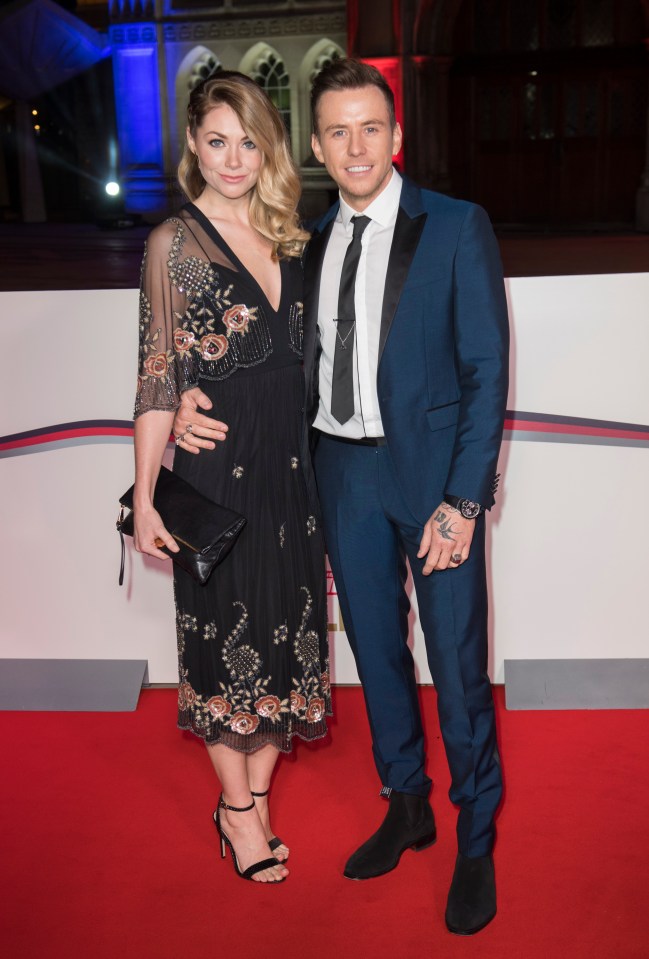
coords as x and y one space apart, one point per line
466 507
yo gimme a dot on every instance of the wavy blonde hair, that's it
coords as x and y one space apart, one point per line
273 205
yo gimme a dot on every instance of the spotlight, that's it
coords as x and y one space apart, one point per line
112 188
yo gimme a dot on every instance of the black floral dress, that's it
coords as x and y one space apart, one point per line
252 642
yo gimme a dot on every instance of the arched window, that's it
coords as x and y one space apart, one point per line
319 56
270 73
205 66
326 56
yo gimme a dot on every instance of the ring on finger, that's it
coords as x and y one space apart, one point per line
179 439
190 428
456 558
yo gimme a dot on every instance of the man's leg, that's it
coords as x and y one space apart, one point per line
369 569
453 615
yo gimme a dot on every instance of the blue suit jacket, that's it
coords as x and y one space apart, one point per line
443 356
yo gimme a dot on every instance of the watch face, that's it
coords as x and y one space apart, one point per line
468 509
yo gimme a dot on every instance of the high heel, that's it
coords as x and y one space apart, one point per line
225 841
275 842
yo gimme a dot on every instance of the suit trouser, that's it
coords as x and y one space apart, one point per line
369 532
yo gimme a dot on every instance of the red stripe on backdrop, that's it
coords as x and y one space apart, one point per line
58 435
573 429
512 423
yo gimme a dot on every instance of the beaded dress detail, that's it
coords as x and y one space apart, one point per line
252 642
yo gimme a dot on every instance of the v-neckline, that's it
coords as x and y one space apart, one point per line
225 248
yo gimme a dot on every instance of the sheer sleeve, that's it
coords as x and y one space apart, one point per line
166 366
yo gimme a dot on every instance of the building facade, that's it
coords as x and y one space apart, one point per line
162 49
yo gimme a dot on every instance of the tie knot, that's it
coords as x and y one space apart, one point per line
359 223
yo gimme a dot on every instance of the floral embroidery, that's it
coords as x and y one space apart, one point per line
237 472
315 710
282 535
306 703
186 695
213 346
244 723
217 706
209 631
294 462
311 526
190 275
187 623
237 318
156 365
298 702
280 635
183 340
269 707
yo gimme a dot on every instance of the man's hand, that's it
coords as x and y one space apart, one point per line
446 539
194 431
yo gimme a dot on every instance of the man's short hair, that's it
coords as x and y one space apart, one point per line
348 74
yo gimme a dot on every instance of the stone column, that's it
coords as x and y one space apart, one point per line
139 120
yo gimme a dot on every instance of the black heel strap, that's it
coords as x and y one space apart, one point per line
224 805
260 794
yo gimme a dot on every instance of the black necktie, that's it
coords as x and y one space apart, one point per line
342 387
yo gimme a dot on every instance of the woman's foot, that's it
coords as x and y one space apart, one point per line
247 835
281 851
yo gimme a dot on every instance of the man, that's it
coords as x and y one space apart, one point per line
405 355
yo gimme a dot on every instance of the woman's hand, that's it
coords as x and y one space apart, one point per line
150 533
151 436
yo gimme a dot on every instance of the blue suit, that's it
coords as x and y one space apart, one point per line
442 390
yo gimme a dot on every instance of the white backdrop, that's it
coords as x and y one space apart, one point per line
567 540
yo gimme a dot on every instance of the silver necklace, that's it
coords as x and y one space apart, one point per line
349 333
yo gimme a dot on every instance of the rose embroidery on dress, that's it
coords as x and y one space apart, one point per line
315 710
268 706
217 706
184 340
213 346
298 702
156 365
244 723
237 318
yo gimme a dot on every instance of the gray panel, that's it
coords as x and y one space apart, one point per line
577 683
85 685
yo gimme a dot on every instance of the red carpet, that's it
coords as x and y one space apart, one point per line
108 849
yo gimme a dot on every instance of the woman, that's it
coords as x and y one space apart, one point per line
221 308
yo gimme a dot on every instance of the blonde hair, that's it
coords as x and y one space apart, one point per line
273 205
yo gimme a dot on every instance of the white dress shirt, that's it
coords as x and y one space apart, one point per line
368 299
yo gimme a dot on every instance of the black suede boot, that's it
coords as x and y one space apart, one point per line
472 897
409 824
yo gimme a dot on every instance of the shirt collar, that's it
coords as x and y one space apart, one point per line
383 208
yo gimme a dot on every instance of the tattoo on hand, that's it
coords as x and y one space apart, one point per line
445 527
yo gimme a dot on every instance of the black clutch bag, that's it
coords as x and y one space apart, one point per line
204 531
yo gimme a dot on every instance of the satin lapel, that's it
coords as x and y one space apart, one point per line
407 232
312 275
